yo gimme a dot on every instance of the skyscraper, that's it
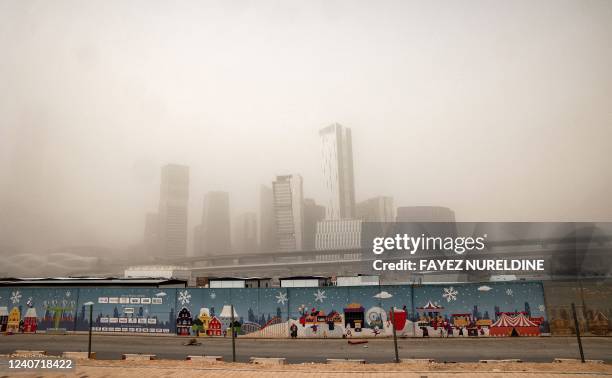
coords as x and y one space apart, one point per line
245 233
337 150
289 212
267 221
313 213
377 209
215 224
173 203
197 240
151 234
425 214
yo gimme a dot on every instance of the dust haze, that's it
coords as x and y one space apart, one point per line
498 110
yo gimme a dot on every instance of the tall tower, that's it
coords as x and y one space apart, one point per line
245 233
173 203
151 234
289 212
313 214
267 222
215 224
337 150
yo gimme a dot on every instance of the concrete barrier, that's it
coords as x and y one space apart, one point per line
345 361
29 353
417 360
205 358
267 361
138 357
576 361
78 355
511 360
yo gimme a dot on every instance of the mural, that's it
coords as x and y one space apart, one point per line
593 300
458 310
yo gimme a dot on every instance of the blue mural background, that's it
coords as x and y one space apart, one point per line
155 310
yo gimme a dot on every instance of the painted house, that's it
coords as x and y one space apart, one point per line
215 327
184 322
30 321
354 316
3 318
12 324
204 318
599 324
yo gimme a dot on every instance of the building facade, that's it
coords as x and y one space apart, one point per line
289 212
173 209
267 222
245 233
377 209
313 214
338 234
337 153
151 234
425 214
215 229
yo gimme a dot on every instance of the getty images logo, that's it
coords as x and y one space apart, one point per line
413 244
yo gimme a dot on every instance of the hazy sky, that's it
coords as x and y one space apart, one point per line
501 110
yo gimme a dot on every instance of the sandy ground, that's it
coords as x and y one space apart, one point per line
167 368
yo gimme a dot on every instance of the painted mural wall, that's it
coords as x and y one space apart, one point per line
459 310
593 301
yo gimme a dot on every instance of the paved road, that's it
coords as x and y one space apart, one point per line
536 349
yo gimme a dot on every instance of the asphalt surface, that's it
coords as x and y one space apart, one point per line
528 349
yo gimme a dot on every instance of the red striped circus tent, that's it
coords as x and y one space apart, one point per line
518 325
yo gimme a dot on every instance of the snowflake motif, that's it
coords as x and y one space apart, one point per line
450 294
68 294
542 308
15 297
281 297
184 297
509 292
213 295
320 295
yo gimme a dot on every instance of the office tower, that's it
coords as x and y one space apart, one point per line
338 234
173 203
313 213
289 212
151 234
216 224
377 209
337 152
245 233
425 214
267 221
197 240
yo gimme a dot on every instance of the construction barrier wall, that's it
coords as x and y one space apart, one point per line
454 310
593 301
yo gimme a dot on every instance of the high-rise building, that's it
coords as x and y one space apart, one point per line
267 221
425 214
197 240
337 149
245 233
338 234
215 224
289 212
173 204
377 209
151 234
313 213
